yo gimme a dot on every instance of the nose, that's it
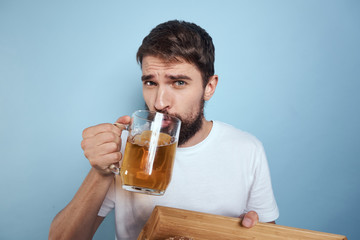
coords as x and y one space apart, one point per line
162 101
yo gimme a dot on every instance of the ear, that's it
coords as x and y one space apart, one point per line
210 87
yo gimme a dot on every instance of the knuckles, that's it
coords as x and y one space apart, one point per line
85 132
101 144
104 127
84 144
112 147
115 157
110 137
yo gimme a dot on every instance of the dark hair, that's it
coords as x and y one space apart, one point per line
179 39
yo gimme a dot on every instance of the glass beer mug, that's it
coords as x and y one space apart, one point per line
149 152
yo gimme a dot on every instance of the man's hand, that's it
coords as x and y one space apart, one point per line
79 219
250 219
102 144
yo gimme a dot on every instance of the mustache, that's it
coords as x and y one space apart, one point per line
164 111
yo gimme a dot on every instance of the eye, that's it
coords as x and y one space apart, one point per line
149 83
179 83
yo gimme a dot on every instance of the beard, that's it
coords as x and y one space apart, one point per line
190 125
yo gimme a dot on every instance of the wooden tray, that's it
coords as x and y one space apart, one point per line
166 222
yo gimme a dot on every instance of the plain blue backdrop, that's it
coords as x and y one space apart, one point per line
288 71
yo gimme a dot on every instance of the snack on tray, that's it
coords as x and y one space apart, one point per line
178 238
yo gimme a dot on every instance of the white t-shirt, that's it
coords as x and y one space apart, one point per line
225 174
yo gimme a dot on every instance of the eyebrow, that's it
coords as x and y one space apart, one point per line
178 77
172 77
146 77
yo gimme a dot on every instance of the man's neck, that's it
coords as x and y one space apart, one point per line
200 135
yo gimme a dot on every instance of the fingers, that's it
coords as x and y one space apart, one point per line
102 144
101 150
124 120
100 139
250 219
101 128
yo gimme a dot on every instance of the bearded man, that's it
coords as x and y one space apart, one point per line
218 169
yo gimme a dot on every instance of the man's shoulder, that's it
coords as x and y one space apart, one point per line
232 133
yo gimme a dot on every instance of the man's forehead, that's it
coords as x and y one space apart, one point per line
153 62
166 61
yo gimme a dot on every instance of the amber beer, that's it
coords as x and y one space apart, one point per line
147 165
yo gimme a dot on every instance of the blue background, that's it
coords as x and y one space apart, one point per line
289 74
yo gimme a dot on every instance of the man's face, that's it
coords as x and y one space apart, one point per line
176 89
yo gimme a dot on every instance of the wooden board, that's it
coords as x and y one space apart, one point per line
166 222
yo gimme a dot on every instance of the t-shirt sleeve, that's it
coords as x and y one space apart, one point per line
109 201
261 198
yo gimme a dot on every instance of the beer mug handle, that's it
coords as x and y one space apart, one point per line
113 167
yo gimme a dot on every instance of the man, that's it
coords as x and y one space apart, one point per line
218 169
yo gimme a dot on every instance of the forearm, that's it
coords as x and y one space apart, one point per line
76 220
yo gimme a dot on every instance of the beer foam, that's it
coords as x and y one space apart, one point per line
144 139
